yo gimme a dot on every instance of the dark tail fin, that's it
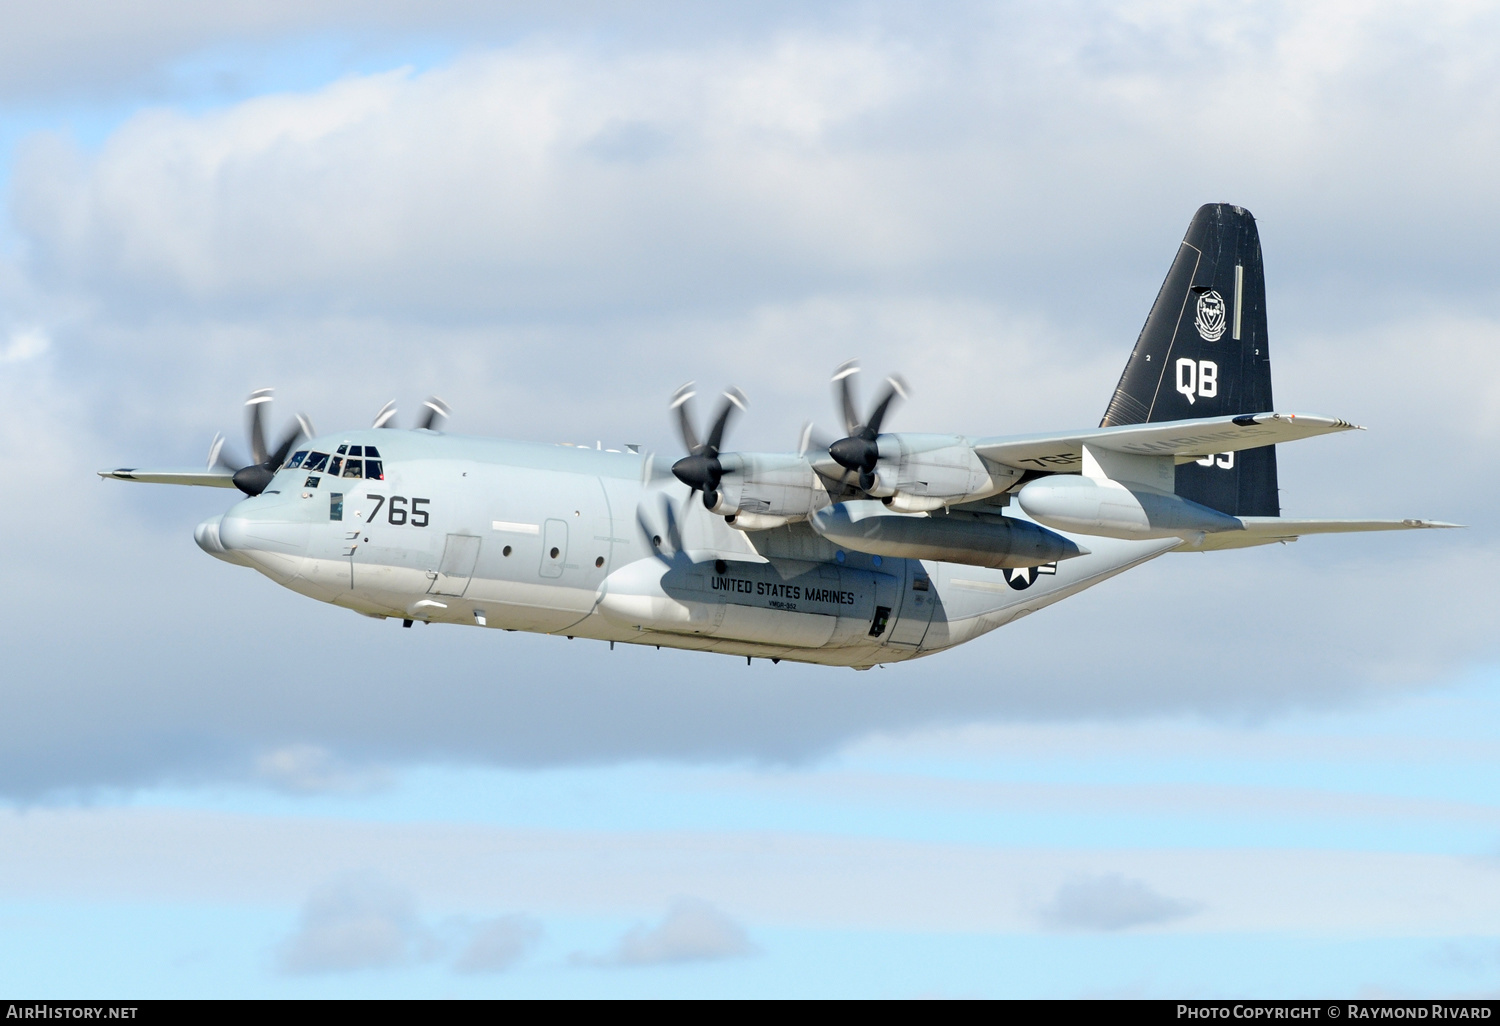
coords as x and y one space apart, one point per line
1203 353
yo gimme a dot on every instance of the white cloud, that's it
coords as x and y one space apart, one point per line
312 769
1111 902
361 921
356 922
24 345
497 944
479 186
692 931
793 879
559 176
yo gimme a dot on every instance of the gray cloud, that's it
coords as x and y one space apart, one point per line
497 944
88 47
1111 902
962 157
357 922
691 931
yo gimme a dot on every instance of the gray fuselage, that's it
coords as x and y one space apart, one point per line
557 539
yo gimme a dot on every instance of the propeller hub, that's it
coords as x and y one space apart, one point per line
699 472
854 453
252 480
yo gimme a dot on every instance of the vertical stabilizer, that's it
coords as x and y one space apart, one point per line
1203 353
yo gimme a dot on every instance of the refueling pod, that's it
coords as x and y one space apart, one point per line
1087 505
992 541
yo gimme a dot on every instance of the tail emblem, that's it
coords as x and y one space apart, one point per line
1210 320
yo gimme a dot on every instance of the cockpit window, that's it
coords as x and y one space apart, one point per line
373 470
297 460
316 462
343 448
335 465
370 450
351 469
355 450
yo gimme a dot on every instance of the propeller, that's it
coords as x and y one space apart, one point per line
701 470
812 439
252 478
858 450
434 413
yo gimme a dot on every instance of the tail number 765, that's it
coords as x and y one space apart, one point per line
397 512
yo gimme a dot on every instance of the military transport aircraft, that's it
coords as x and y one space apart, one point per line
875 548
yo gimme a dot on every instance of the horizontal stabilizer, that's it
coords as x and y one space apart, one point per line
214 477
1265 530
1187 440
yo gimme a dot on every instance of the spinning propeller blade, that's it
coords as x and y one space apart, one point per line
434 413
858 451
700 469
252 478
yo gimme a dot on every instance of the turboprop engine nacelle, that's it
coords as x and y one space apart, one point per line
762 490
919 473
993 541
1108 508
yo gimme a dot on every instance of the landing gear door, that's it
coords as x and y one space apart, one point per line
460 553
917 599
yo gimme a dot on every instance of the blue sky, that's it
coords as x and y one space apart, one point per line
1269 772
1345 852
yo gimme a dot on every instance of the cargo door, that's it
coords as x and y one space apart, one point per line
460 553
917 600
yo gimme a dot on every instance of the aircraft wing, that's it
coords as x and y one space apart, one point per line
1187 440
213 477
1265 530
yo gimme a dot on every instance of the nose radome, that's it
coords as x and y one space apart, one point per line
256 534
209 540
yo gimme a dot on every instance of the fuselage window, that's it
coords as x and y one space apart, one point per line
335 505
373 471
352 469
335 465
316 463
370 450
297 460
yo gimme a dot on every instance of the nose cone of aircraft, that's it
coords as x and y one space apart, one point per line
206 535
257 534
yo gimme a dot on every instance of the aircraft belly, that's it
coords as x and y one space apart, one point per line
786 605
795 630
520 606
